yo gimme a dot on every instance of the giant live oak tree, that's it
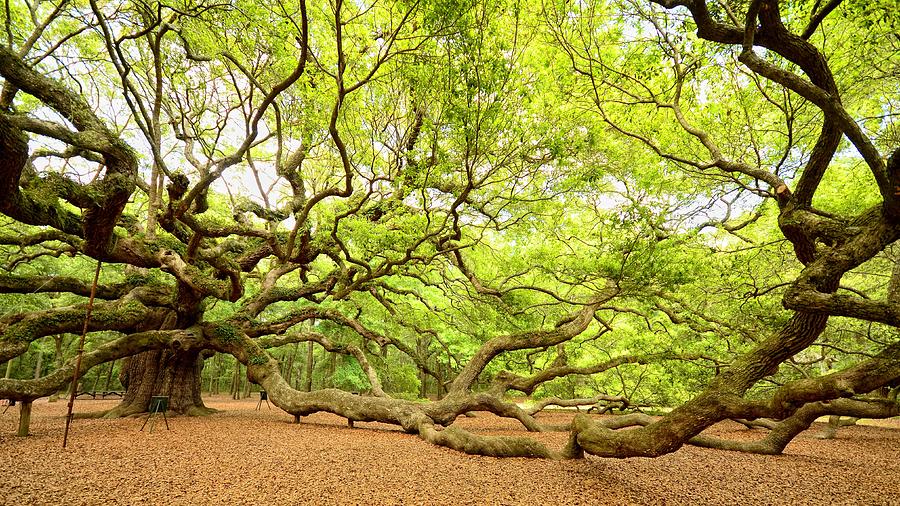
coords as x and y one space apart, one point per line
505 196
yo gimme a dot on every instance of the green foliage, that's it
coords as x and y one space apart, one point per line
349 376
401 380
226 332
260 359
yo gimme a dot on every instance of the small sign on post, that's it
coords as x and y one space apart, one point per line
263 396
158 404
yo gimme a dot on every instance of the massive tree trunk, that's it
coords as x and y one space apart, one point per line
172 372
176 374
310 363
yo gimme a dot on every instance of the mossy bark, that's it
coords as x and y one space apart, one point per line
176 374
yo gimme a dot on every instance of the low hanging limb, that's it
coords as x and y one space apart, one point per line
87 319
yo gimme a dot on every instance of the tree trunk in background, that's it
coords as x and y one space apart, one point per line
9 367
298 374
441 388
422 351
38 366
289 366
162 372
96 379
219 370
57 360
58 354
217 364
109 375
236 381
212 375
309 367
332 366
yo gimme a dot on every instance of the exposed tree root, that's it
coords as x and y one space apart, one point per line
91 415
491 446
834 423
200 411
124 411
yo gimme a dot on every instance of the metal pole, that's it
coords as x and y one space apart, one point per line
87 319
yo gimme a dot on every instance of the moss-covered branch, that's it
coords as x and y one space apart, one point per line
125 346
18 331
52 284
109 194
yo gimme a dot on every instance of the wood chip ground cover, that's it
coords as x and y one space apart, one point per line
244 456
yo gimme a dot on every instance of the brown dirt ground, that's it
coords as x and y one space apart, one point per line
244 456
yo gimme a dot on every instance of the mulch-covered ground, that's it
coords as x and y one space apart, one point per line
244 456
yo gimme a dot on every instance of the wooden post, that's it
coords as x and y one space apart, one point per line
309 367
74 391
24 418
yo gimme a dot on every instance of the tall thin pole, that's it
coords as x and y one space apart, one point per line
87 319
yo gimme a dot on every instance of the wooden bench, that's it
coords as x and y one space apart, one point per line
102 394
